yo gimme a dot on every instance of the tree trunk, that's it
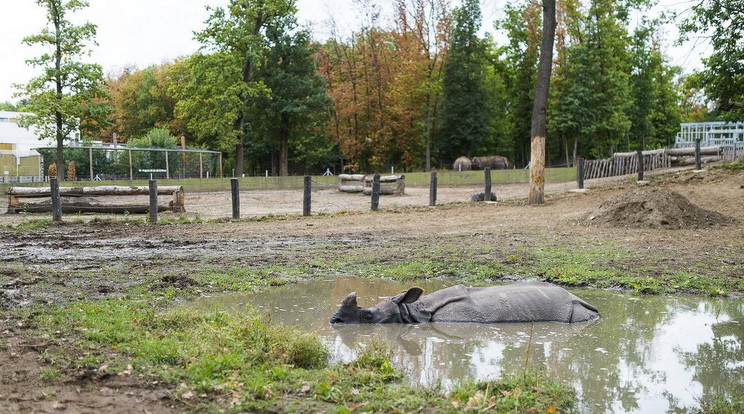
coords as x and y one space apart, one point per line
540 107
239 159
284 146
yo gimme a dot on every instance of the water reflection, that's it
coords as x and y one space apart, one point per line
657 354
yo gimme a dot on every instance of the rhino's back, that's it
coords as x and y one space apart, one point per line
521 302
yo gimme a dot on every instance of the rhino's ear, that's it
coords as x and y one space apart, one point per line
350 300
409 296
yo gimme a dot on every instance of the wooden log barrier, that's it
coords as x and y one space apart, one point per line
389 184
82 199
351 183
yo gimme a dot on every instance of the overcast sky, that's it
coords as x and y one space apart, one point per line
147 32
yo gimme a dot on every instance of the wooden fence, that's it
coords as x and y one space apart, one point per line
623 163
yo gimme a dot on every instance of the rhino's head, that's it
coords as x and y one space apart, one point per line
387 311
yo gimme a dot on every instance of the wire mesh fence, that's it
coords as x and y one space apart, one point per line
262 196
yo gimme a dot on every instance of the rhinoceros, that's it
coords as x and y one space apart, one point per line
462 164
519 302
494 162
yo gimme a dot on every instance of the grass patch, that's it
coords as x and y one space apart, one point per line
241 279
34 224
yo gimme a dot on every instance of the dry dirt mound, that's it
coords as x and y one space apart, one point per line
654 208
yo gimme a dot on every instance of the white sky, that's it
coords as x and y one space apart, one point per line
147 32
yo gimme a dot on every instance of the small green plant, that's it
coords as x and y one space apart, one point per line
49 374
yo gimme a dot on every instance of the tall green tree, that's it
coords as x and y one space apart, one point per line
68 96
223 85
655 113
466 105
521 23
141 100
293 116
722 22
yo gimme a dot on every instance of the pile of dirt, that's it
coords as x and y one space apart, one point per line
654 208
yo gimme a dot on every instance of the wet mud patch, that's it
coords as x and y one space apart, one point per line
654 208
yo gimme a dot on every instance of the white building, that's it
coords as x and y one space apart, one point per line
18 159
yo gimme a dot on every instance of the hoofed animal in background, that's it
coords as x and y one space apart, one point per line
520 302
462 164
495 162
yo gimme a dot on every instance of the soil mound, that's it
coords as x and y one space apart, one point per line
654 208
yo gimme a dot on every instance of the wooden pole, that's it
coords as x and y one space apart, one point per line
183 156
487 187
235 189
306 199
201 167
221 175
375 192
433 188
639 154
131 175
153 201
580 173
697 154
56 201
90 161
167 167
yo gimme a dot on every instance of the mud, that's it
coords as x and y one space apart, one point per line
654 208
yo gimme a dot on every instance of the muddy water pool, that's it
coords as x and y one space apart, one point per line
644 354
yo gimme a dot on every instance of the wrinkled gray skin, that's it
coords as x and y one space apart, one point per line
462 164
520 302
495 162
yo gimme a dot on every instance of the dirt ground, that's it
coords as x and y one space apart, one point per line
53 264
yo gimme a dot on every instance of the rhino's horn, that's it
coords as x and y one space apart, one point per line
350 300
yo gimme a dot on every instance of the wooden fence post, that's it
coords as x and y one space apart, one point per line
90 162
306 200
697 155
487 186
375 192
639 154
433 188
580 173
235 190
153 201
56 201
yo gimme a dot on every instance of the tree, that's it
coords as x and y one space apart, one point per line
540 109
69 96
519 71
466 109
223 86
297 108
142 101
722 22
7 106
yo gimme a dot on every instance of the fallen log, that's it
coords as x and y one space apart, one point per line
91 191
349 188
87 205
383 190
690 151
682 161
